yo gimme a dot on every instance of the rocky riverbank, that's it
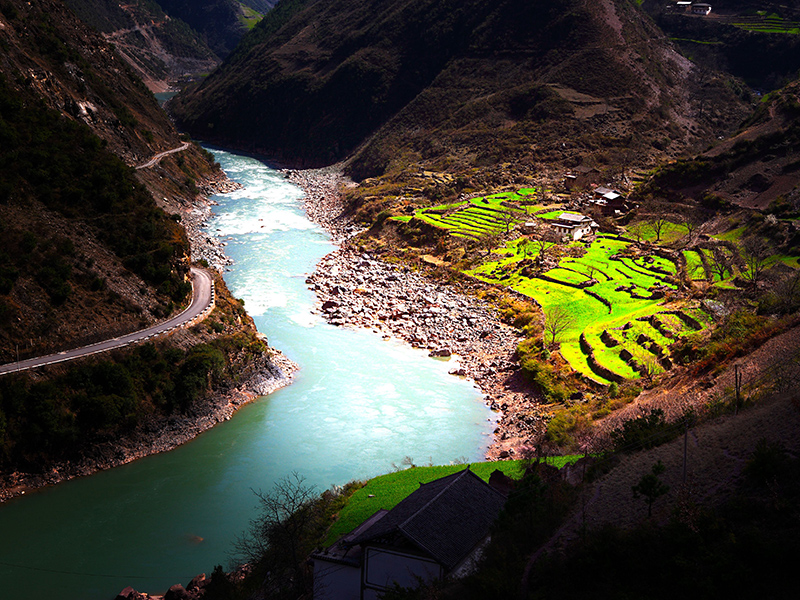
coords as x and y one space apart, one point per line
358 290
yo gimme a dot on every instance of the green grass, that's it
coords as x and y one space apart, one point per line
671 232
694 266
249 17
388 490
401 218
791 261
734 235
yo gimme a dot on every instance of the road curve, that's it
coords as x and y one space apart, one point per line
161 155
202 299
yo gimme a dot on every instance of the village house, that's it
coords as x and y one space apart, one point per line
574 226
437 531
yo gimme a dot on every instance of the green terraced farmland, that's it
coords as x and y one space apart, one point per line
478 216
694 265
620 295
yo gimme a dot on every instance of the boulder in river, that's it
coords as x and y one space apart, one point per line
441 352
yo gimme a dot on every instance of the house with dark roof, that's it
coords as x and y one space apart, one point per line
437 531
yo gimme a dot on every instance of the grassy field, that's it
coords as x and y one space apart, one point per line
694 265
385 491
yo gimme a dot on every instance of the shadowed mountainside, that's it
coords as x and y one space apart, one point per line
458 83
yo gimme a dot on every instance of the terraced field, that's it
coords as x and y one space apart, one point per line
477 217
621 327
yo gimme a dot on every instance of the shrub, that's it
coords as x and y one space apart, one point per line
646 431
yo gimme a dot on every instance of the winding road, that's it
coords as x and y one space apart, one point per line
202 301
161 155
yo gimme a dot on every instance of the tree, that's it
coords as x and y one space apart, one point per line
720 263
658 226
637 230
755 253
488 242
690 223
650 487
508 218
282 535
557 319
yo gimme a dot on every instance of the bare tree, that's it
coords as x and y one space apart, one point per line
636 230
488 242
658 225
787 291
557 320
755 253
508 218
690 223
282 535
720 263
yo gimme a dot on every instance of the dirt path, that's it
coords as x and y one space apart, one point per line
153 161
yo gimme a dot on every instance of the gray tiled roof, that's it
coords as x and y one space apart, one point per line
445 518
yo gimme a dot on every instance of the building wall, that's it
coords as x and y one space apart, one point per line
383 568
333 581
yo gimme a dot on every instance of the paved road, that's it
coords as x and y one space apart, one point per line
161 155
202 296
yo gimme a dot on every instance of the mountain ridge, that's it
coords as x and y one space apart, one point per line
376 81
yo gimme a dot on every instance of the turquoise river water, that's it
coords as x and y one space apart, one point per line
358 405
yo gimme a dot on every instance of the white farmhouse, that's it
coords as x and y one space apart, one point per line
574 226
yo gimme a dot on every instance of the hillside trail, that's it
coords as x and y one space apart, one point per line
153 161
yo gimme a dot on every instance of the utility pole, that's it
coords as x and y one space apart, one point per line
685 446
737 377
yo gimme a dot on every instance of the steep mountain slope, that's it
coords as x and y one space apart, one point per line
753 39
757 168
86 254
219 22
469 83
159 48
85 250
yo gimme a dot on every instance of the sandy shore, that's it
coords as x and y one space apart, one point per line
359 290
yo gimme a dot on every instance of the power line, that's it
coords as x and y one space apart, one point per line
62 572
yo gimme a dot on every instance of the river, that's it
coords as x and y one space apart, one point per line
358 406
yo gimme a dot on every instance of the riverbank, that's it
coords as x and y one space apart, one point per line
358 290
161 434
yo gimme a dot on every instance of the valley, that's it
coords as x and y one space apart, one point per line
464 232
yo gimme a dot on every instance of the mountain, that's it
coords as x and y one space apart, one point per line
757 168
85 249
220 23
161 49
92 248
755 40
170 40
457 84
